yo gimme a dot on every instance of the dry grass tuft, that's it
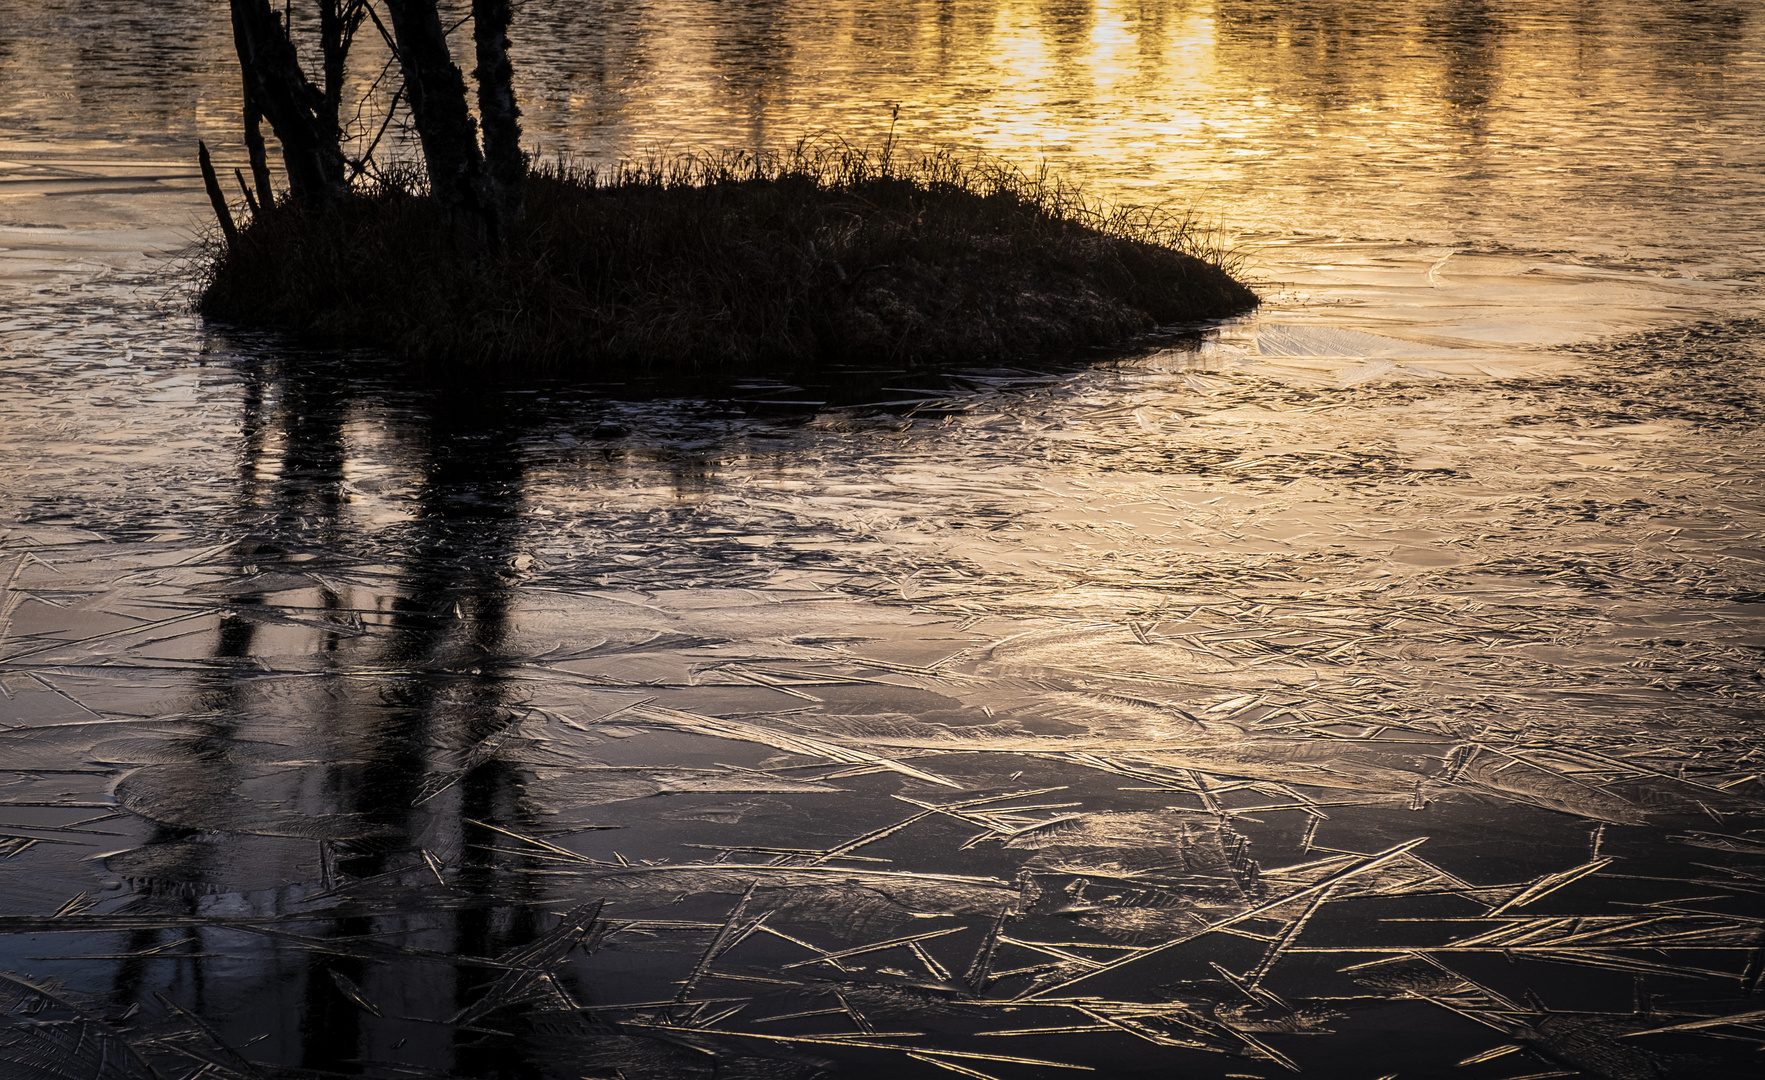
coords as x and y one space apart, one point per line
732 263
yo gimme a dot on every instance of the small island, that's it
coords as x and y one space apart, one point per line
718 265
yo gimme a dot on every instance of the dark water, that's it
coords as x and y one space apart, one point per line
1368 688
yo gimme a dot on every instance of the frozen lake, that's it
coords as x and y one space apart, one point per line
1368 687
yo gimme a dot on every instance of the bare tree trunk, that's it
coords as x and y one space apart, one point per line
497 110
254 149
338 22
480 190
280 90
216 198
437 93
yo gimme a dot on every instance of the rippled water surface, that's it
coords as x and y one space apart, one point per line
1366 688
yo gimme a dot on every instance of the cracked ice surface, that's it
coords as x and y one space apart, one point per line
1368 687
1161 711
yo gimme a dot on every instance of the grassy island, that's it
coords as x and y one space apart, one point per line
726 265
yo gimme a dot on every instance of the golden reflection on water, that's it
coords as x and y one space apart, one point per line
246 607
1487 116
1621 128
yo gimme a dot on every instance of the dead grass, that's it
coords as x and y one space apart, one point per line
734 263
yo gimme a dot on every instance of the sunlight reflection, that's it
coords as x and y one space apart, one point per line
381 687
1115 34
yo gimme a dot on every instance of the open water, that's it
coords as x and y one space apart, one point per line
1369 687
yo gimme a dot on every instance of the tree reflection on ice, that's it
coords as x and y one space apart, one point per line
467 742
1372 690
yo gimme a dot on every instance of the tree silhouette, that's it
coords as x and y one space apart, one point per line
303 116
479 187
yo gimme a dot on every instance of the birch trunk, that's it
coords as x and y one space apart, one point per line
497 111
338 22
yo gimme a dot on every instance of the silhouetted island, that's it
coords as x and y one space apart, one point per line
722 266
709 265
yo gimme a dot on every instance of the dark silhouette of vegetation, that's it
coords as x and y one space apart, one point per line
303 116
480 198
716 265
479 190
728 265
